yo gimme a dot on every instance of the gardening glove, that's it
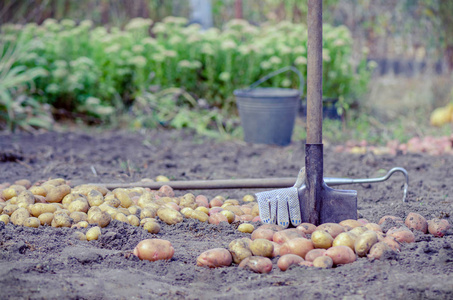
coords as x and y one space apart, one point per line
282 205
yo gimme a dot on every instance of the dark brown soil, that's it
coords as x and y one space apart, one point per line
50 263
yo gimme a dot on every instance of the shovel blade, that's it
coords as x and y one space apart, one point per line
335 205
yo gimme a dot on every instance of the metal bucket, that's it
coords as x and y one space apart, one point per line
268 114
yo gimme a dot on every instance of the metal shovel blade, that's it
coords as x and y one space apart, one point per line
335 205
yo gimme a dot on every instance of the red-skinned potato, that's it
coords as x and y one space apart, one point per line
341 255
217 218
416 222
276 249
392 243
154 249
215 258
283 236
402 235
262 234
396 219
298 246
257 264
287 260
312 254
378 250
438 227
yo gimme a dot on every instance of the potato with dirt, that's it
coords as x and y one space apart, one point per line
287 260
240 249
417 222
215 258
257 264
401 234
154 249
345 239
438 227
261 247
170 216
93 233
56 194
364 242
333 229
341 255
19 216
321 239
324 262
285 235
298 246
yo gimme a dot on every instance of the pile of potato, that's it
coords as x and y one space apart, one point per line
324 246
55 203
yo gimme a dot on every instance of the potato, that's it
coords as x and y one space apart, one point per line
341 255
46 218
215 258
32 222
248 198
276 249
229 215
260 233
285 235
57 193
217 218
235 209
79 236
416 222
55 182
257 264
396 219
199 215
26 197
38 190
215 202
188 200
79 204
121 217
298 246
23 182
306 228
378 250
392 243
12 191
113 202
40 208
167 191
239 249
148 212
95 198
93 233
8 209
155 249
358 230
363 221
202 201
61 220
4 219
152 227
312 254
364 243
255 210
19 216
402 235
273 227
438 227
345 239
324 262
123 196
81 224
332 228
287 260
321 239
134 210
203 209
101 218
262 247
170 216
246 209
246 228
373 227
133 220
350 224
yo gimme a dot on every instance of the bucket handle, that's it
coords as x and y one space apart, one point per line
282 70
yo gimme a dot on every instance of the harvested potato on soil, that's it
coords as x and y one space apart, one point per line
350 224
402 235
341 255
396 219
416 222
262 233
257 264
215 258
46 218
248 198
239 249
312 254
217 218
152 227
358 230
32 222
170 216
199 215
321 239
61 220
57 193
100 218
438 227
345 239
392 243
19 216
40 208
285 235
229 215
93 233
364 243
333 229
306 228
4 219
154 249
373 226
133 220
378 250
324 262
246 228
262 247
298 246
287 260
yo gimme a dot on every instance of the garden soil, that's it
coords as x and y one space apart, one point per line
50 263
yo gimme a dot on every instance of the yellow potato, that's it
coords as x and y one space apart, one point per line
378 250
121 217
332 228
12 191
350 224
95 198
170 216
187 212
23 182
102 219
39 208
93 233
61 220
133 220
203 209
78 216
26 197
32 222
38 190
374 227
46 218
262 247
188 200
4 219
199 215
93 210
321 239
9 209
364 243
239 249
152 227
19 216
57 193
81 224
124 198
248 198
229 215
79 204
79 236
113 202
324 262
358 230
134 210
246 228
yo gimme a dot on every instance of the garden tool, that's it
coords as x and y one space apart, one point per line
313 201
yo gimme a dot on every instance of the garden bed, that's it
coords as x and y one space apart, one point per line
50 263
